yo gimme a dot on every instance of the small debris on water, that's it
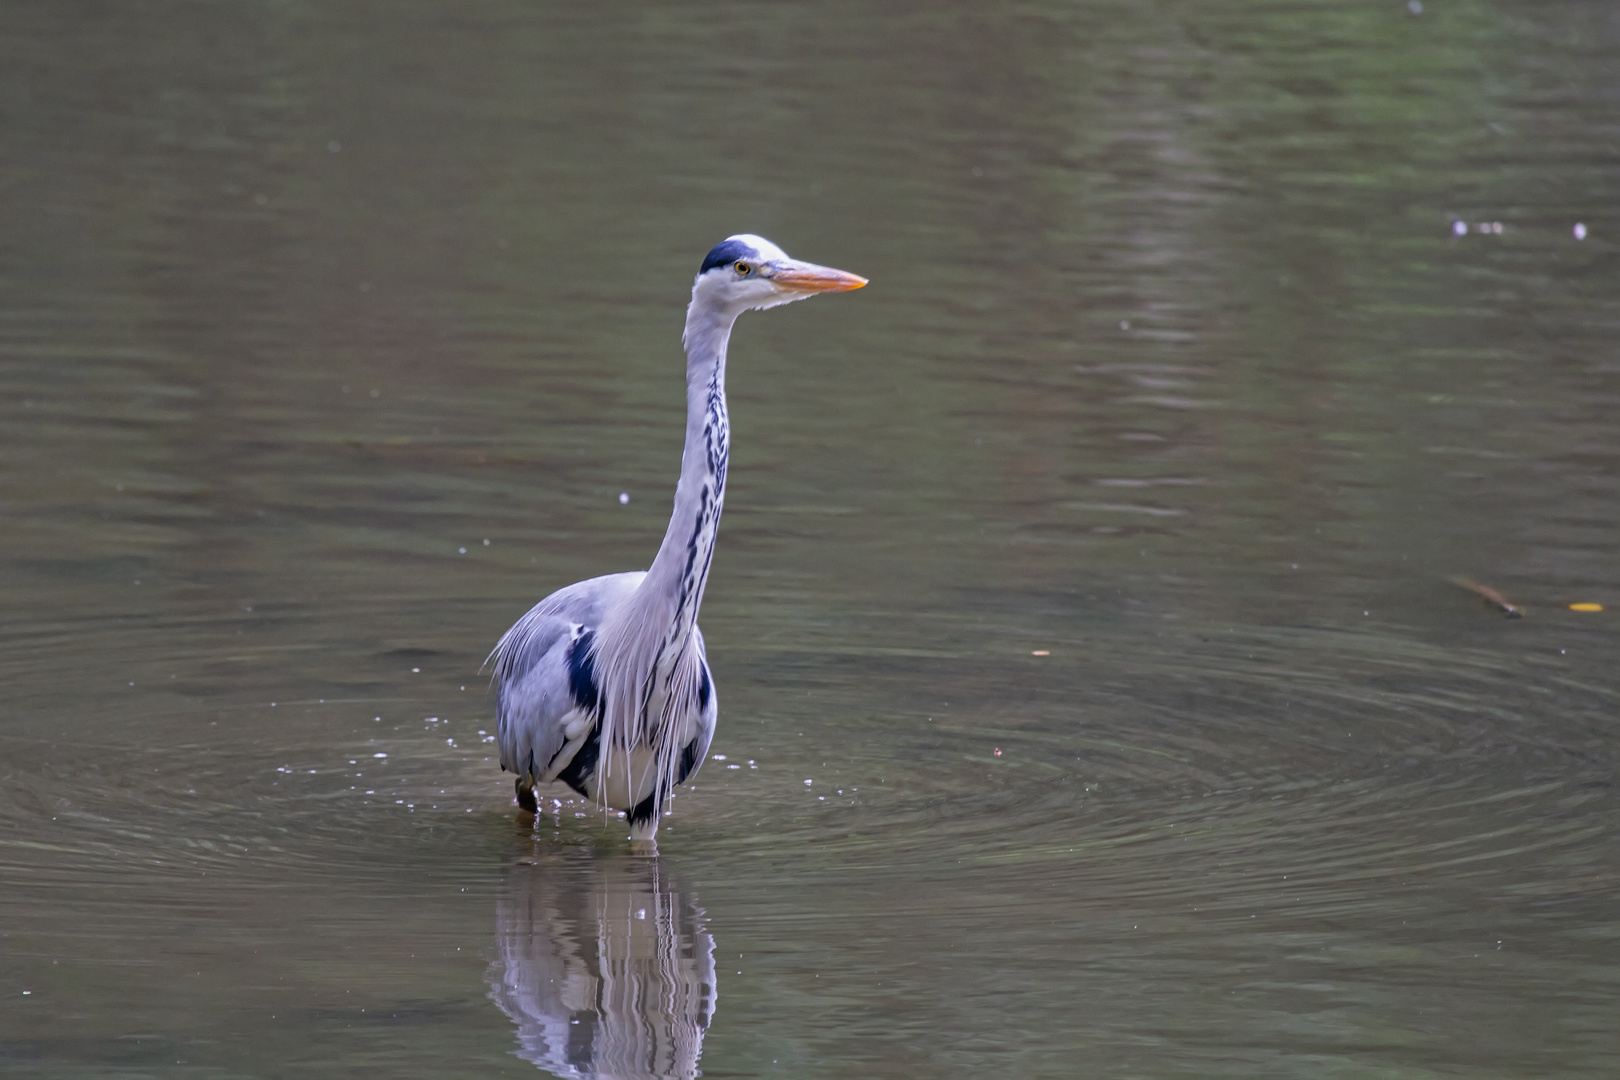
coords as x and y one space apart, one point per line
1488 594
1040 652
624 497
998 751
1585 605
1580 231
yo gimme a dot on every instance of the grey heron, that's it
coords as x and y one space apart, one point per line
604 684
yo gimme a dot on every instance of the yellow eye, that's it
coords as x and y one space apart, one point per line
742 268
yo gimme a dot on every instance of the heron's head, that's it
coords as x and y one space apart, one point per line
748 271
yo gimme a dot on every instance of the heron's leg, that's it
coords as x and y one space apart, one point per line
644 818
525 795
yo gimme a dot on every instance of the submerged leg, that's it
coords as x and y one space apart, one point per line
525 795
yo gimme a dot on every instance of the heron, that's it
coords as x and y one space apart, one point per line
605 684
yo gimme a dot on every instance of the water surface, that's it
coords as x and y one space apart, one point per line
1094 701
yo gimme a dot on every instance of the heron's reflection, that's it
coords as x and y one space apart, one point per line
605 969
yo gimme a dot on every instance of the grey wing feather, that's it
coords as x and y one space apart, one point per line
541 722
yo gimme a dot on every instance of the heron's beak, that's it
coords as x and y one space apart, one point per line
810 278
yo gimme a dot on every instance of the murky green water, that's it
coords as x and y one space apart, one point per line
329 338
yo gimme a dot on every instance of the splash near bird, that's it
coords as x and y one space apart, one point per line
604 684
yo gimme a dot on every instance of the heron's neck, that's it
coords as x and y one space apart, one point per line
677 577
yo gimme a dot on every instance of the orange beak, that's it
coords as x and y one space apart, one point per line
810 278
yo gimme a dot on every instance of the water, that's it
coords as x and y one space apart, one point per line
1174 370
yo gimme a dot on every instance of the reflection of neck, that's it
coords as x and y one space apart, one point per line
681 569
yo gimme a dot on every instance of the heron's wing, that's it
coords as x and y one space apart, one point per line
545 702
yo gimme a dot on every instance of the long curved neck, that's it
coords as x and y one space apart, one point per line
681 569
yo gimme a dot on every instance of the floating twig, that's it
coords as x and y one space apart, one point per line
1489 595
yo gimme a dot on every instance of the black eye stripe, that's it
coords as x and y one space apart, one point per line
728 251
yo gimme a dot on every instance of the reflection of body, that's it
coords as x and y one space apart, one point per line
604 684
605 972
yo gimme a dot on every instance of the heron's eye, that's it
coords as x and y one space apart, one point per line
743 268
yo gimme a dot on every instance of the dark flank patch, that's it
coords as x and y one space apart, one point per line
583 764
703 687
689 762
582 674
726 252
645 810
